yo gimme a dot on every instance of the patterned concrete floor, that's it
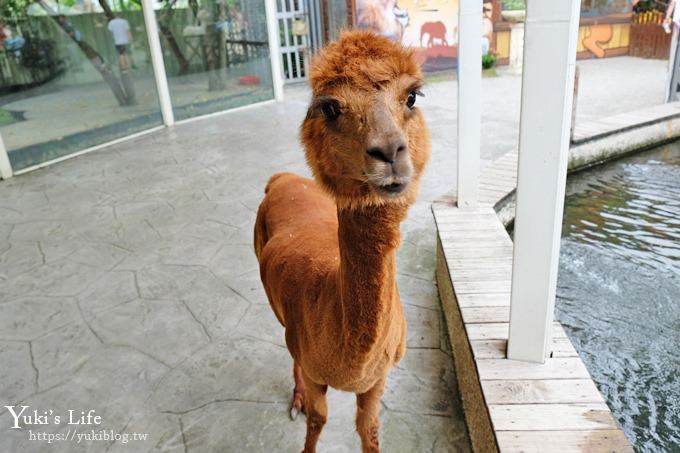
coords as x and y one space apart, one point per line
128 286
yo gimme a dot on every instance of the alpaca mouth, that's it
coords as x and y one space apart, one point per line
393 188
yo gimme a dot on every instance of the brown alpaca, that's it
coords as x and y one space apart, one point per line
327 249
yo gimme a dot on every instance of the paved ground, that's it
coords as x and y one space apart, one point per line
128 283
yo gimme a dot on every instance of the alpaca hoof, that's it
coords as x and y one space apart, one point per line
297 405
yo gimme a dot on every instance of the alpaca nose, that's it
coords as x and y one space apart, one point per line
388 152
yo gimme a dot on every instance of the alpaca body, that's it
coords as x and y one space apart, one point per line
296 237
327 248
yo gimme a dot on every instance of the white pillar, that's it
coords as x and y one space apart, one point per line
157 63
516 46
547 88
274 48
469 100
5 166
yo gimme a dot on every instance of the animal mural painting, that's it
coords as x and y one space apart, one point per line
429 26
435 31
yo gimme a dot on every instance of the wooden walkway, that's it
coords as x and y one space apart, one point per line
510 406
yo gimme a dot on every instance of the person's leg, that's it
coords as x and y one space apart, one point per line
122 58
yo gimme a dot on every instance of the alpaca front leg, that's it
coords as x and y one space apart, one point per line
297 405
317 411
368 417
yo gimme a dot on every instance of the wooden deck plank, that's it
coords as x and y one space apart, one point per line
495 314
562 347
463 268
539 391
487 331
483 300
596 441
557 368
501 184
499 331
481 275
495 349
489 349
474 261
497 252
475 238
483 287
551 417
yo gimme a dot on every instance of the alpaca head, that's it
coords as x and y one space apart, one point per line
364 136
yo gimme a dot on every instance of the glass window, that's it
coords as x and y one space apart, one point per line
337 18
216 54
591 8
72 75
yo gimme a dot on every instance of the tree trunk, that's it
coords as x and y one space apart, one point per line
107 9
212 59
174 47
163 21
94 57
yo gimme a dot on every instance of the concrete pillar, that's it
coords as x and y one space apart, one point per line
274 48
157 63
469 100
547 91
5 165
516 47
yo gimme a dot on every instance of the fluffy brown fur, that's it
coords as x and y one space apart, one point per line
327 249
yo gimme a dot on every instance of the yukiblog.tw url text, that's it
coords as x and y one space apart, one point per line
72 435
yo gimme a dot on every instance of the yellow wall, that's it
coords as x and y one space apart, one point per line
503 44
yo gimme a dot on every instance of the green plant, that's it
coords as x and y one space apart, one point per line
488 61
645 5
40 54
12 10
514 5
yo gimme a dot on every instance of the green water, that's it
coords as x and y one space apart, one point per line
619 289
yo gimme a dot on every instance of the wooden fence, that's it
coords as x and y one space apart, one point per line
647 36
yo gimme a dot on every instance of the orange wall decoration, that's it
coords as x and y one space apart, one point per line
603 40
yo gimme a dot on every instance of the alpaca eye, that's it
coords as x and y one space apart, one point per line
330 109
411 99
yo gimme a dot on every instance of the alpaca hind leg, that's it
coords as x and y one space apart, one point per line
297 405
368 417
317 412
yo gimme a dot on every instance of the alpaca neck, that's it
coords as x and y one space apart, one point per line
368 239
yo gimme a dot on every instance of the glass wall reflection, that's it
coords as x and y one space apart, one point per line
73 74
216 54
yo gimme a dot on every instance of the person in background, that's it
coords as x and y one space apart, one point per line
9 42
68 28
120 31
672 20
